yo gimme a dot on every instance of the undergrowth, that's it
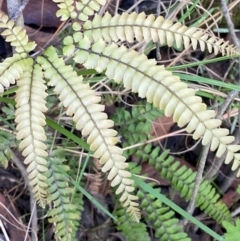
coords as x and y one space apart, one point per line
99 43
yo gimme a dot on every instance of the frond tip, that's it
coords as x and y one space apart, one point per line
66 9
16 35
128 27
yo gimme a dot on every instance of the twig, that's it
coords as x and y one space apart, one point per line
197 183
229 22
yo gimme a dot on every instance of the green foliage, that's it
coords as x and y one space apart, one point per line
7 140
233 232
182 180
135 125
93 44
131 230
161 218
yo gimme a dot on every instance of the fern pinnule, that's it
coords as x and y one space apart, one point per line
16 35
135 126
161 88
82 103
128 27
87 8
30 103
66 9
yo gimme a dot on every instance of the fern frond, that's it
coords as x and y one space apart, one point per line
64 214
161 217
10 70
141 111
161 88
66 9
182 181
30 98
128 27
87 8
135 126
131 230
15 35
82 103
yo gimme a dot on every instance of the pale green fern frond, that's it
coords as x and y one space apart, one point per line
82 103
16 35
128 27
86 8
64 214
161 88
182 180
11 69
30 103
66 9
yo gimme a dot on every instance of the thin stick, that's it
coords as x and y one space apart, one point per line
197 182
4 231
